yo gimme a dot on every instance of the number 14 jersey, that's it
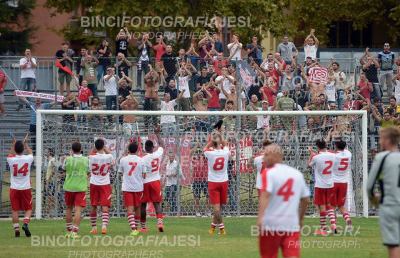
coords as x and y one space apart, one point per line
217 164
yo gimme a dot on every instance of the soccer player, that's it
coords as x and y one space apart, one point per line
151 182
322 165
132 185
217 154
283 203
341 175
100 162
75 186
259 165
20 188
385 171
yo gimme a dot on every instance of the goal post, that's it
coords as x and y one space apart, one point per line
53 131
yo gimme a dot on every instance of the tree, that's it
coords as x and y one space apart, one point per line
15 30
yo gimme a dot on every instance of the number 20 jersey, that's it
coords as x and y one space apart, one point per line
323 165
217 161
100 165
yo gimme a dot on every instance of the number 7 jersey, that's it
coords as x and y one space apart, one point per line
322 165
100 164
217 161
20 166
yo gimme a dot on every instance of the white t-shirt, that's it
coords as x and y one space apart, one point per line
28 72
111 86
132 177
20 171
397 91
167 107
342 168
100 164
322 165
217 162
258 163
310 51
263 121
235 50
171 173
330 91
287 187
184 85
226 85
151 165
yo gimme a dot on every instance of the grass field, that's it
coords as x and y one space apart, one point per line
184 237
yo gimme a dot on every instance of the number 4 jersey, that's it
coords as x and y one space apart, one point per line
100 164
217 164
151 165
20 166
322 165
342 168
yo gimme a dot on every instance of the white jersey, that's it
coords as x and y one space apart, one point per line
258 163
342 168
287 187
322 165
217 162
132 178
20 171
100 166
151 165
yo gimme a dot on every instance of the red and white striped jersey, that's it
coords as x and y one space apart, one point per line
217 162
322 165
342 168
258 163
132 177
151 165
20 171
100 167
287 187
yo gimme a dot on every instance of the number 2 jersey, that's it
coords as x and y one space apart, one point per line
217 162
100 166
287 187
132 173
151 165
342 167
322 165
20 166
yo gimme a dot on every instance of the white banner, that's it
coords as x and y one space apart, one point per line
37 95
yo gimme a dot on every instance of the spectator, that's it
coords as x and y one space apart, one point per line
122 42
392 107
224 81
159 48
235 49
285 103
150 97
192 55
172 90
254 105
203 79
370 67
378 109
219 63
340 83
311 46
70 102
254 50
232 96
300 96
171 184
89 64
388 120
205 47
84 95
269 90
287 77
162 74
386 61
213 101
287 50
330 88
199 170
111 90
28 66
64 55
124 85
365 87
168 122
96 120
129 124
122 65
169 62
218 46
144 47
263 122
184 76
396 81
3 84
79 62
200 103
104 57
229 121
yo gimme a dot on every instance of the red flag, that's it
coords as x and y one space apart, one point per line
64 68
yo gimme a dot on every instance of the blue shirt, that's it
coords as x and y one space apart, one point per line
33 111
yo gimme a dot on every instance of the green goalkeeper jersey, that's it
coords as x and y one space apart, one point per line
76 179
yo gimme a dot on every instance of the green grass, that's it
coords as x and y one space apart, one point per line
238 242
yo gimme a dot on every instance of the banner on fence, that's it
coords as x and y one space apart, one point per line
37 95
246 74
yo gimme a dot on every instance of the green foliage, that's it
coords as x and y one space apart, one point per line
15 30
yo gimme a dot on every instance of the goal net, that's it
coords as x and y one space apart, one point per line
184 135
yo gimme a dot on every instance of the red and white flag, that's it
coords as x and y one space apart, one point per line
318 75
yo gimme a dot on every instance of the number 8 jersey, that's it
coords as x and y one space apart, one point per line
100 165
217 164
322 165
20 166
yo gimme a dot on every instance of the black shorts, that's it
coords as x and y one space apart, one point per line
198 187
